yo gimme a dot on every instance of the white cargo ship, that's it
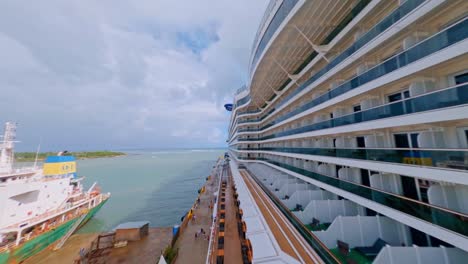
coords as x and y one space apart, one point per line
40 207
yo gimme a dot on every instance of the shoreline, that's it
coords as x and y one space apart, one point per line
41 159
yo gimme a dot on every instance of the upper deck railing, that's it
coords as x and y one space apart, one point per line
281 13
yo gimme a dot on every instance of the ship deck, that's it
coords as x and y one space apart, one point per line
289 240
193 250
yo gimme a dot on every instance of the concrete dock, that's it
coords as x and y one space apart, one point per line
147 250
66 254
193 250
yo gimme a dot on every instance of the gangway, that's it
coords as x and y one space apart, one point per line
70 232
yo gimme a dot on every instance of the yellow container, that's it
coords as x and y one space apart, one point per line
58 168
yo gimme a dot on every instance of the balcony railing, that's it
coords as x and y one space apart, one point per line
281 14
249 112
454 96
450 220
379 28
441 158
240 90
243 100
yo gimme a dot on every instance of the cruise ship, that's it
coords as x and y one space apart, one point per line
349 141
40 207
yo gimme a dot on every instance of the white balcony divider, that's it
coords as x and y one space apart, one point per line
304 197
327 169
421 255
362 231
270 179
290 189
327 210
449 196
431 139
280 183
422 86
387 182
350 174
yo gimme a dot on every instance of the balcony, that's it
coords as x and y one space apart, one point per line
243 100
340 221
449 97
449 220
325 254
452 159
435 43
382 26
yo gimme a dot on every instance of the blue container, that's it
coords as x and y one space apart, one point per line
175 230
55 159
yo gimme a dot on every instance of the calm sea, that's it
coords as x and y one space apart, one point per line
156 186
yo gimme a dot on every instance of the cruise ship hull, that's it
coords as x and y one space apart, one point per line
45 240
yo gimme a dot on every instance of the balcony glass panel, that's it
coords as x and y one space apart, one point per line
243 100
454 96
453 159
249 112
281 14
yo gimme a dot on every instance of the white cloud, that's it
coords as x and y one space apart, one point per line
110 74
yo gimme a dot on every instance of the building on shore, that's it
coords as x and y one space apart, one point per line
354 121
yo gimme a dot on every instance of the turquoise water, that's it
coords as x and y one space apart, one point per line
157 186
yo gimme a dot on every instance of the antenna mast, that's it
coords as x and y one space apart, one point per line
7 148
37 154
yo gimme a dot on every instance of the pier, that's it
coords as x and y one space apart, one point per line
147 250
191 249
225 245
219 215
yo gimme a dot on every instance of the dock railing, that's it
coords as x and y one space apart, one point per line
213 229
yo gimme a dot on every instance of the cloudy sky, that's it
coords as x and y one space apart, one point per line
111 74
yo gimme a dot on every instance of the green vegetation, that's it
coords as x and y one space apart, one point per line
31 156
170 254
353 257
319 227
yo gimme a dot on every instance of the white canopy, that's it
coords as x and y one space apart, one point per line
162 260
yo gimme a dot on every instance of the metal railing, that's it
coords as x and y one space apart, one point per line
441 158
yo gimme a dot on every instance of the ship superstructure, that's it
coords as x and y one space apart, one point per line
40 207
354 123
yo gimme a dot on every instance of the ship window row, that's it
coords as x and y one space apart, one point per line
398 44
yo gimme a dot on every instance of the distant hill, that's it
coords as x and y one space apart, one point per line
31 156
